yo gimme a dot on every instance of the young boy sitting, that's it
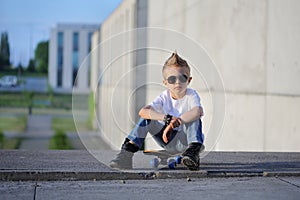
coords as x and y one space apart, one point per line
173 119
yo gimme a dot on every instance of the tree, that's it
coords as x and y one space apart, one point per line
20 69
41 57
4 51
31 66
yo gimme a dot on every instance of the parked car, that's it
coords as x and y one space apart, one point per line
10 81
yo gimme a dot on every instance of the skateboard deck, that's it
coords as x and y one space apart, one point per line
166 159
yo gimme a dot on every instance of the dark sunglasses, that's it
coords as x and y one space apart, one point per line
172 79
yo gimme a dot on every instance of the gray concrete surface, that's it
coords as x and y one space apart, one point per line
205 188
76 174
81 165
88 137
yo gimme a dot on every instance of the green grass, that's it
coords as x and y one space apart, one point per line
81 102
62 101
9 143
2 139
30 74
13 123
52 111
91 110
6 73
68 125
64 124
39 111
13 100
60 141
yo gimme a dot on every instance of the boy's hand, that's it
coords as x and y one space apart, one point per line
175 122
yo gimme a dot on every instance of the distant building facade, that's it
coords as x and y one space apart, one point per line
68 47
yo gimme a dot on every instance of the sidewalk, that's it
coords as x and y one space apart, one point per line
38 133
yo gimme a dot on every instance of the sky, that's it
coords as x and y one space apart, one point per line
28 22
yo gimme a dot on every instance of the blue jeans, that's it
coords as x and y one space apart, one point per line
189 133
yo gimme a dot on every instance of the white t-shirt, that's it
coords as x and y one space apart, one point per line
164 103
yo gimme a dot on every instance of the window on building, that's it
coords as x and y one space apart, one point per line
90 41
75 41
75 56
60 57
90 34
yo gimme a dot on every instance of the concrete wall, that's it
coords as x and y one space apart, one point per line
254 45
94 72
118 74
95 60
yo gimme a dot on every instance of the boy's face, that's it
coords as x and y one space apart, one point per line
176 80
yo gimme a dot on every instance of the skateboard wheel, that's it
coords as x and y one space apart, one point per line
178 159
154 163
172 164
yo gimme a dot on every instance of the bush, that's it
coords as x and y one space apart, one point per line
2 140
91 111
9 143
60 141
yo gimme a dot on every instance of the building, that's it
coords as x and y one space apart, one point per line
254 45
70 44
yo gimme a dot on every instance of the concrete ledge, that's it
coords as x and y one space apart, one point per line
76 176
281 174
83 176
80 165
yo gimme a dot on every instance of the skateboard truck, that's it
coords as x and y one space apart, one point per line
163 158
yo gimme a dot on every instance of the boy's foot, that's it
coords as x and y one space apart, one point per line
190 157
123 160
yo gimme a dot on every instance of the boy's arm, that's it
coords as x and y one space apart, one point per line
192 115
149 113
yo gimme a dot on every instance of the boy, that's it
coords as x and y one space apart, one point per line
173 119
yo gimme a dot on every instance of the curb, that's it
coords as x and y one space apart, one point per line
131 175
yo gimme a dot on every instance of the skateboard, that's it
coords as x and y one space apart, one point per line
165 158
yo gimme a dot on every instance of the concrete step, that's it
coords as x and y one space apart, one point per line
81 165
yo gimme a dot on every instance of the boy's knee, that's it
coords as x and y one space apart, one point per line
144 122
129 146
194 125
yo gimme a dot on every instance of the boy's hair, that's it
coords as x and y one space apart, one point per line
176 60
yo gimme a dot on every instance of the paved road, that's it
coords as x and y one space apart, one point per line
36 84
